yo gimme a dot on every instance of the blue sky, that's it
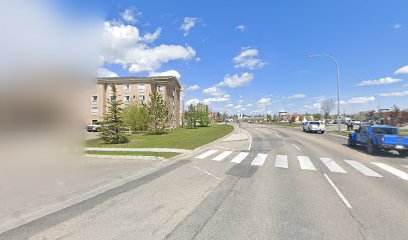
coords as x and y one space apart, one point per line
233 55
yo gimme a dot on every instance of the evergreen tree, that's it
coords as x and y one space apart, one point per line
158 113
111 129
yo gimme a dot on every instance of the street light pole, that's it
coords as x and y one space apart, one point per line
338 82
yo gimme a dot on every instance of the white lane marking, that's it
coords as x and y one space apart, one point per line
362 168
281 161
392 170
405 166
259 159
338 191
296 146
208 173
206 154
305 163
250 141
332 165
241 156
222 156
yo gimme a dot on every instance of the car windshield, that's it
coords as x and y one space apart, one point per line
379 130
315 123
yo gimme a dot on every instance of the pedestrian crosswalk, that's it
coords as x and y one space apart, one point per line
306 163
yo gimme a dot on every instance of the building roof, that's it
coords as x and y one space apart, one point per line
131 80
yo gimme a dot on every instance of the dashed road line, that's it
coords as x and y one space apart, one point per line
208 173
298 148
345 201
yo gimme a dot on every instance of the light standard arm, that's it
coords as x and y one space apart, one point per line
338 81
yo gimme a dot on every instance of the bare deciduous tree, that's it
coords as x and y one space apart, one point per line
327 106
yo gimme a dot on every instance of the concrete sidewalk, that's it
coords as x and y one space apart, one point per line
174 150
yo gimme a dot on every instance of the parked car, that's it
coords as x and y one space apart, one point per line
355 122
314 126
379 137
93 128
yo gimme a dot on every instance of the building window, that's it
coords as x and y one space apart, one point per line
94 110
94 99
127 88
159 88
94 121
141 99
141 87
127 99
112 98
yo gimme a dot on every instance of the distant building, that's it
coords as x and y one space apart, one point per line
134 89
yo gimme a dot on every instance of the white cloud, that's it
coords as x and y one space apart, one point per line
249 105
129 15
229 105
381 81
104 72
248 58
236 80
314 106
172 73
123 45
296 96
193 101
264 101
191 88
224 98
358 100
403 70
397 26
213 91
240 28
238 106
241 101
188 24
394 94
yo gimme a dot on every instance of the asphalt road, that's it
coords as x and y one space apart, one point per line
281 184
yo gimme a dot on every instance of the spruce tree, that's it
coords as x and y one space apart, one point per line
111 131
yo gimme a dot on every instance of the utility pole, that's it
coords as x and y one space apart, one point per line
338 81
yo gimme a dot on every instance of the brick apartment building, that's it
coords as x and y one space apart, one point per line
134 88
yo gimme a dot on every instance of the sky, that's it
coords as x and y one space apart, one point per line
250 56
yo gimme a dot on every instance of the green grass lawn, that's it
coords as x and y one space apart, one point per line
403 132
154 154
286 124
181 138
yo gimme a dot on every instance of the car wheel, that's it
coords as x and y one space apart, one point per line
371 149
351 142
304 130
403 153
322 132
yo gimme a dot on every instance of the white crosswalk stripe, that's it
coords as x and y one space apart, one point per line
392 170
259 160
306 163
222 156
332 165
281 161
207 154
241 156
362 168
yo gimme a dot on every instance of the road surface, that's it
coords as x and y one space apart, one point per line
279 183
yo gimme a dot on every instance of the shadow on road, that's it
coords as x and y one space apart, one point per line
380 153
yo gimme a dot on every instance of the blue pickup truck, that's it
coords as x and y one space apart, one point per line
377 138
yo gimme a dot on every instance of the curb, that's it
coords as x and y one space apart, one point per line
124 157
